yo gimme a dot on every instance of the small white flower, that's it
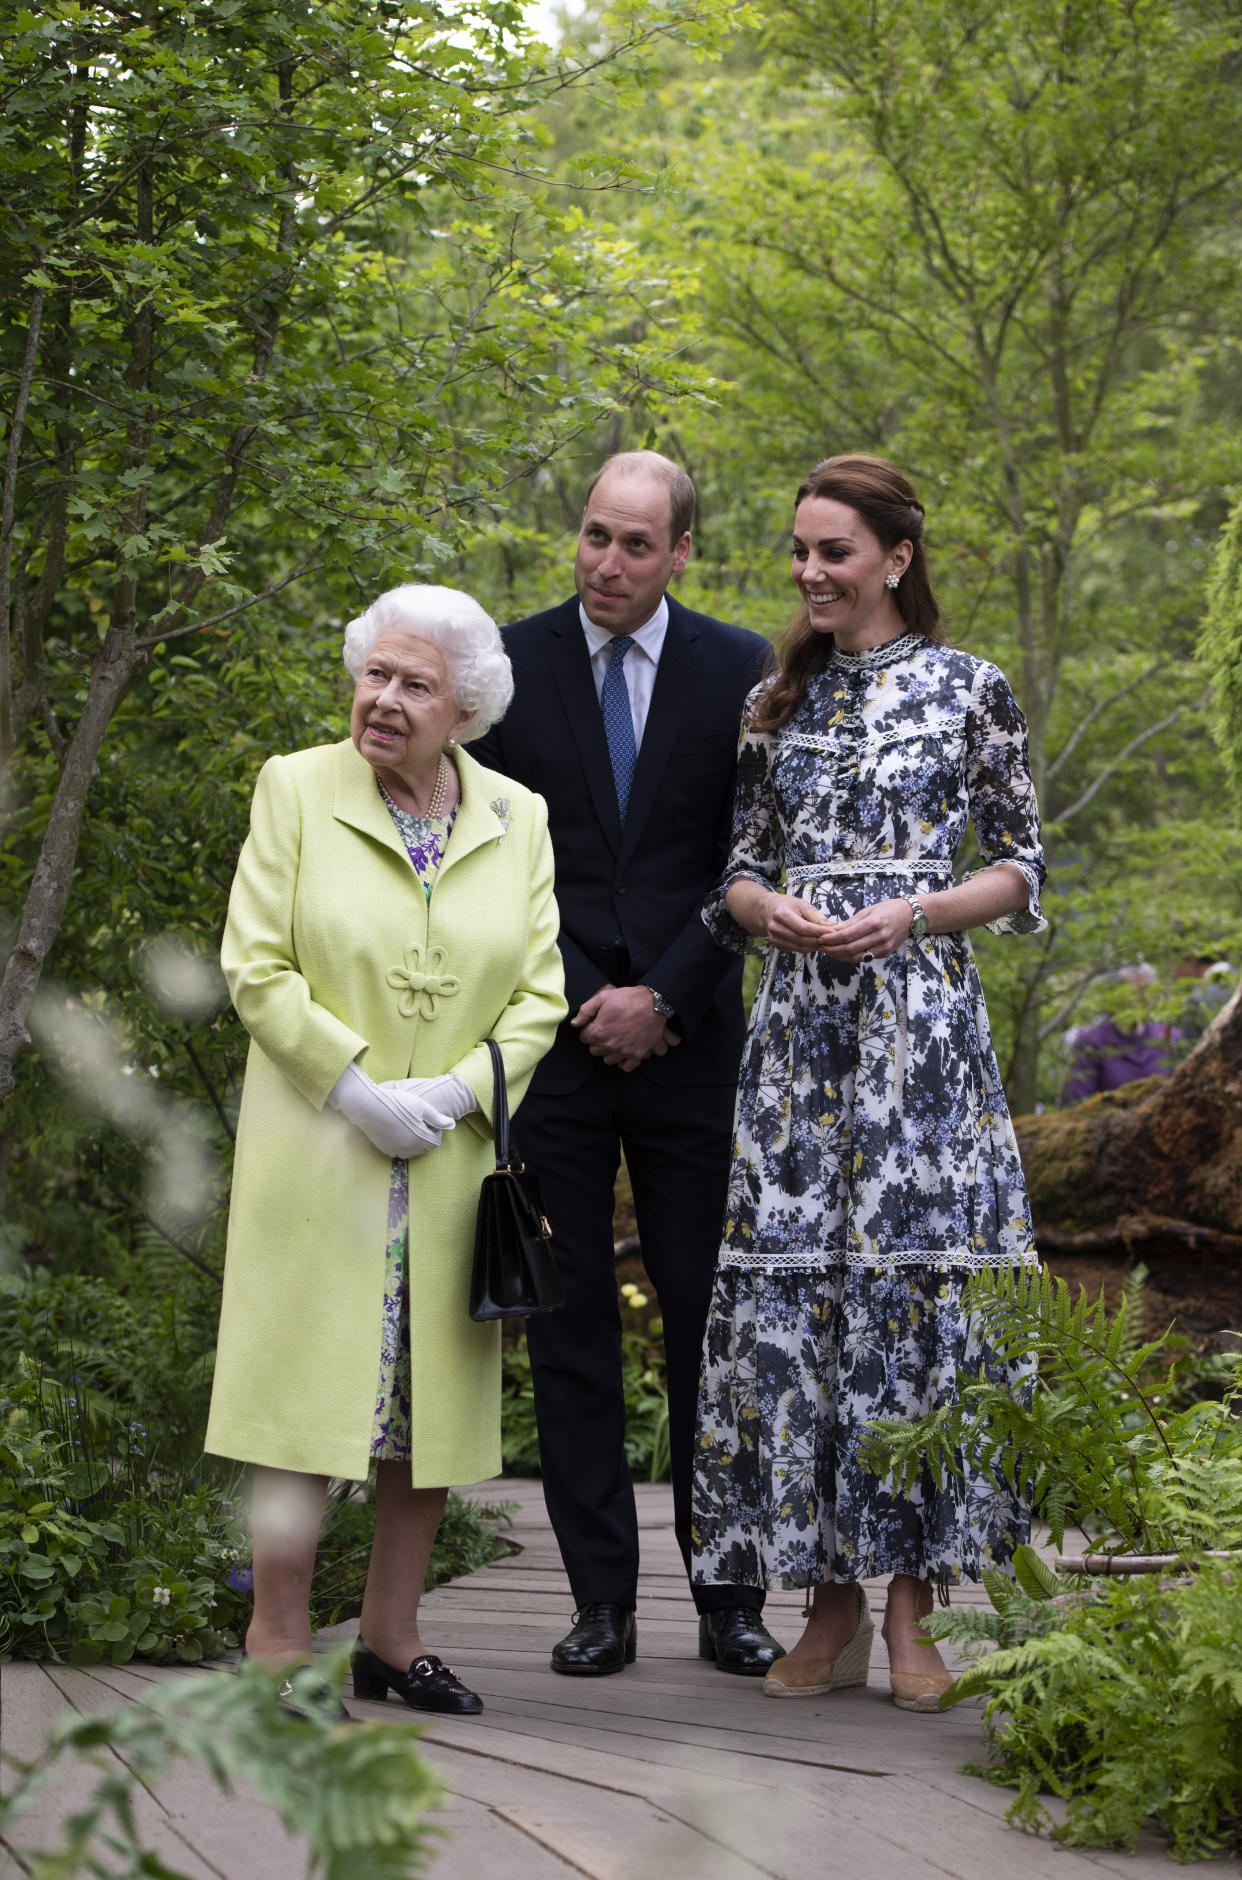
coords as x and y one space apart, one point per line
161 1596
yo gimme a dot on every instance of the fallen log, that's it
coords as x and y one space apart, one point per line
1152 1168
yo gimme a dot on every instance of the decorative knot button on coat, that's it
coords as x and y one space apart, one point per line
421 990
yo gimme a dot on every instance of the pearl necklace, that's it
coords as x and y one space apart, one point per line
434 811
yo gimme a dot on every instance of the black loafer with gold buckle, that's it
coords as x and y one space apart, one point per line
427 1685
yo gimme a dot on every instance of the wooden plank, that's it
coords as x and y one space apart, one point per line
671 1768
616 1837
188 1820
38 1829
496 1846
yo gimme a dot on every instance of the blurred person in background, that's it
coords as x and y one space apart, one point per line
1107 1054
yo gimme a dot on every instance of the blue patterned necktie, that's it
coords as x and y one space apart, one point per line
619 720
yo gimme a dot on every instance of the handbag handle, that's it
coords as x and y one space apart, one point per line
500 1107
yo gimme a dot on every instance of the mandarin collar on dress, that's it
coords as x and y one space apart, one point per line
872 657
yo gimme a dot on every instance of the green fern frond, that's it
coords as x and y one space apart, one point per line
359 1794
1034 1576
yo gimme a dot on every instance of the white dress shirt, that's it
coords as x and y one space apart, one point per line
641 662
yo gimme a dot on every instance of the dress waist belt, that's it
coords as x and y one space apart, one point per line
868 865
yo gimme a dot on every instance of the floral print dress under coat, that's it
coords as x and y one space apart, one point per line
875 1165
425 839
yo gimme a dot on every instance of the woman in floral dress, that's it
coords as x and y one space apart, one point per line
875 1166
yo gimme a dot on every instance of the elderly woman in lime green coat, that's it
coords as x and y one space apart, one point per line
393 906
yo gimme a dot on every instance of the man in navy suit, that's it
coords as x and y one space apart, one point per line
625 718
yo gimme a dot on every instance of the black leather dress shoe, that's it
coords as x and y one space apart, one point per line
604 1639
738 1640
427 1685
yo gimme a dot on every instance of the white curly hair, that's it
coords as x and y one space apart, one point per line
469 638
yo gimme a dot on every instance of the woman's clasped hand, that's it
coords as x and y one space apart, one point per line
873 933
405 1116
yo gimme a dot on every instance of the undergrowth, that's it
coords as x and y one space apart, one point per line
119 1539
1121 1697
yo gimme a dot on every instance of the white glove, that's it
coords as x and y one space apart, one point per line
394 1116
449 1093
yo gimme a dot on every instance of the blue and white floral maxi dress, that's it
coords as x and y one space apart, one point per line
874 1165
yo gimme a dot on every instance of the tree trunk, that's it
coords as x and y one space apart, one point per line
1153 1169
113 673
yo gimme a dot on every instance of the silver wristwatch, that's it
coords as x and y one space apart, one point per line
661 1004
920 923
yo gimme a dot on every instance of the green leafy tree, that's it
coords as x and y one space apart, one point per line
997 242
287 305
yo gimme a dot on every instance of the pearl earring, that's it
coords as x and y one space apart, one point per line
892 580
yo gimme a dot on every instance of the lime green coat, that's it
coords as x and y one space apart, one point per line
332 953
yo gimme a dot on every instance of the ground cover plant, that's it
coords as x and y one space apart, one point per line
1121 1697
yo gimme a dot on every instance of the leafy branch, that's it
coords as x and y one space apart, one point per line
358 1794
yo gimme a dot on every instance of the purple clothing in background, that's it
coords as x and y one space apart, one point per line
1106 1056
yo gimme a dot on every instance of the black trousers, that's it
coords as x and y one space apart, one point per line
677 1145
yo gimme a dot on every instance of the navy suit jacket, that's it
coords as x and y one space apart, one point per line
645 881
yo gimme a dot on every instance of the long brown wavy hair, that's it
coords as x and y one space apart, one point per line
886 501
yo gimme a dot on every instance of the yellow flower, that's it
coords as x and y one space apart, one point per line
638 1299
629 1289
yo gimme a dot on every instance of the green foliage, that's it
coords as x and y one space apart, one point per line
999 245
100 1560
646 1406
1125 1702
358 1794
1121 1697
1094 1440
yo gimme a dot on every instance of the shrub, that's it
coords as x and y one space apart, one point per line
646 1405
1123 1697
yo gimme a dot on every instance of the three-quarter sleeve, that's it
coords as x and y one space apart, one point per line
1002 795
754 846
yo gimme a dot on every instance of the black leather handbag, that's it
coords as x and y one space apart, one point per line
515 1272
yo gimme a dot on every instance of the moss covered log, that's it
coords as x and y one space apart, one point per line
1154 1168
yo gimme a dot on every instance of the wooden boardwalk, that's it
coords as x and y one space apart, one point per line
670 1771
